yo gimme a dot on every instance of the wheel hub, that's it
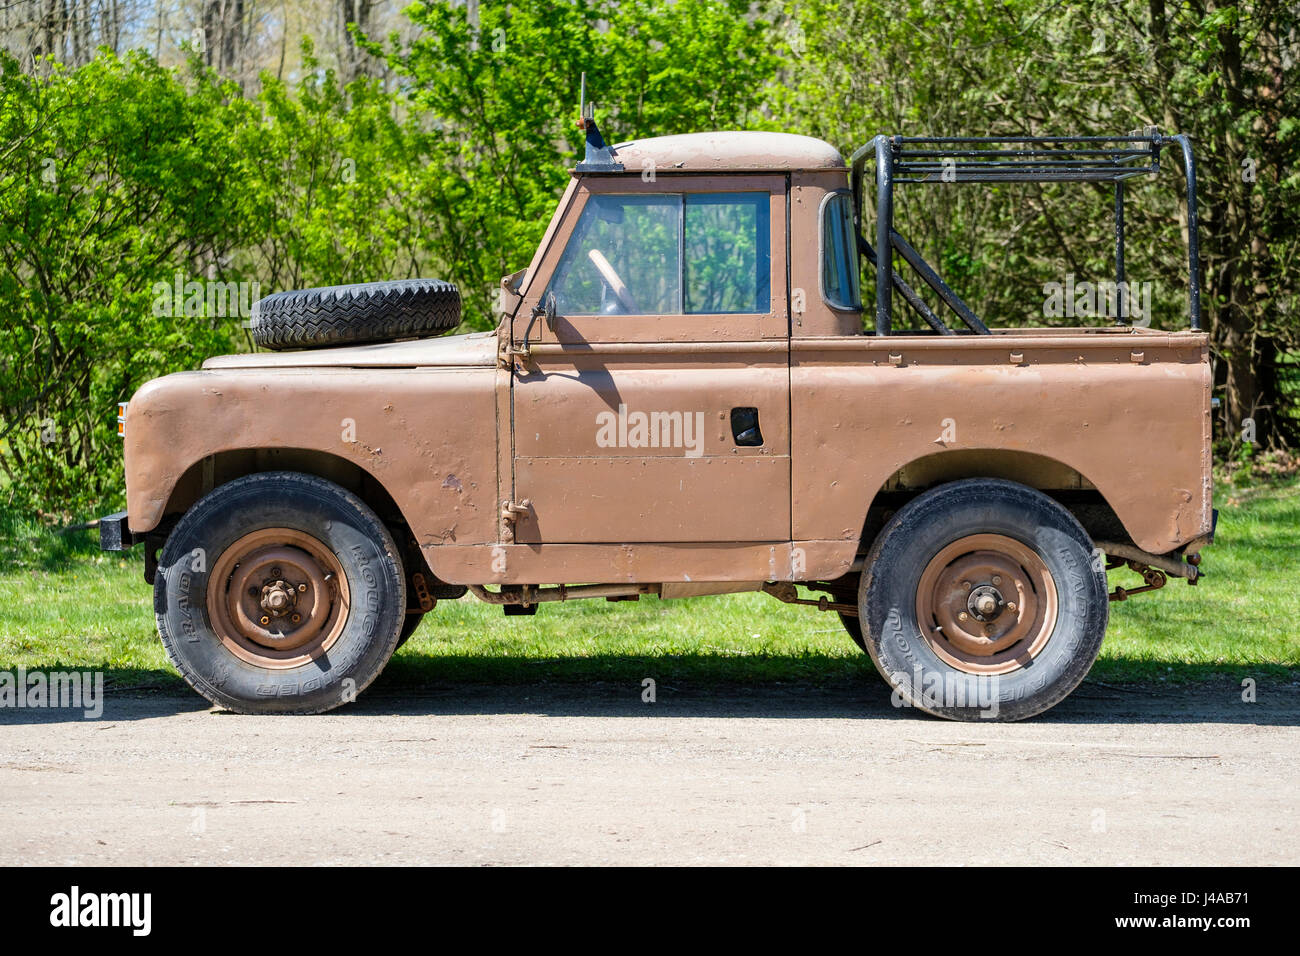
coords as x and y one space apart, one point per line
277 597
986 603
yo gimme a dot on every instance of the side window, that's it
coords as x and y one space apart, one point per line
727 255
624 258
839 253
698 253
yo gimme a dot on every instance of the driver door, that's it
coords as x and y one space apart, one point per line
657 407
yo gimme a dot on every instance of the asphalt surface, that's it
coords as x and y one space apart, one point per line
563 774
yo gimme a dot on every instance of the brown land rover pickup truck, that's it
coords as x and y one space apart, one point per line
680 399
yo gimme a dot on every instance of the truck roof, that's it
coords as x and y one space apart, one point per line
730 151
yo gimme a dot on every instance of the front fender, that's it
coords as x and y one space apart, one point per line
427 435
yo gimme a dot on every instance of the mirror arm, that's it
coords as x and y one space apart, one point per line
545 307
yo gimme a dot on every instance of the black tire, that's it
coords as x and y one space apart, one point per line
854 629
355 314
330 527
918 539
850 622
408 628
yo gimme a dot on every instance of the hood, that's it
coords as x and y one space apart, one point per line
452 351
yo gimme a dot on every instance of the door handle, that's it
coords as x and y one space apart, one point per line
744 426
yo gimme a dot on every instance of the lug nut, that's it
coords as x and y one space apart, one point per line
966 585
1011 605
963 616
265 620
302 588
996 580
296 618
275 572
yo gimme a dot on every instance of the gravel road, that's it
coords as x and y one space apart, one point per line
474 774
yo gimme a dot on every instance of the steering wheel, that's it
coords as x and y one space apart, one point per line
616 285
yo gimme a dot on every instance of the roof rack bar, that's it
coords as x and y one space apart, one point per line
1026 152
908 293
1193 242
884 234
1027 176
1048 159
938 285
1122 317
1153 138
906 162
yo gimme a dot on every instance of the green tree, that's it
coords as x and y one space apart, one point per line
129 195
331 176
498 100
111 178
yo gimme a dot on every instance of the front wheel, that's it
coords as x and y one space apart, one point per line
280 593
408 627
981 600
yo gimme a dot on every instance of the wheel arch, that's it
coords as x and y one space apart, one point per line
1057 479
220 468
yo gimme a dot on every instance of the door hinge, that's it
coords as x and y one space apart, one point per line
506 357
511 512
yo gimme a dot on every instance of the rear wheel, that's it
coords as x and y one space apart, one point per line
280 593
854 629
981 599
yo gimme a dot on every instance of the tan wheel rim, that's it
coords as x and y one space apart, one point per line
986 604
278 598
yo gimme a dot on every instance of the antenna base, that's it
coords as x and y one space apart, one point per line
599 157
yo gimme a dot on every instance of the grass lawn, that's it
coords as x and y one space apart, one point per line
65 605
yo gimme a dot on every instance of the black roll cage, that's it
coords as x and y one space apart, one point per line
996 159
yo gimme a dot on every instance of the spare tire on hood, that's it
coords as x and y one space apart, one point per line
355 314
